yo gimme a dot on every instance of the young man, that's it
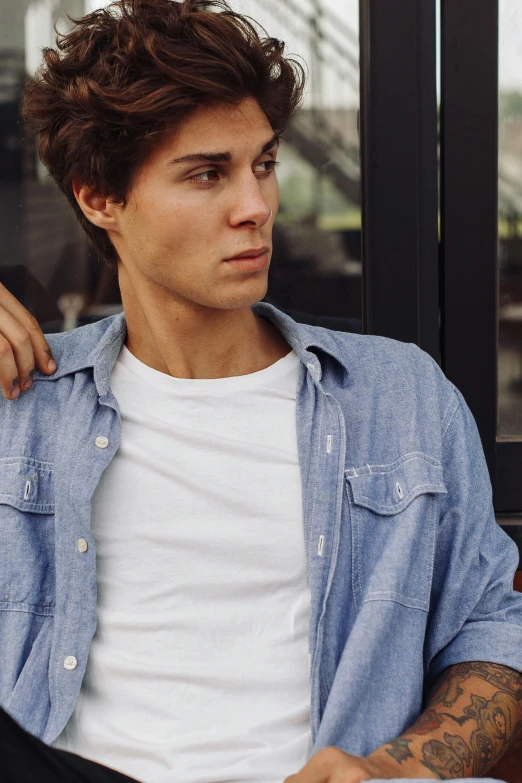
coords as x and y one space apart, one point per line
233 547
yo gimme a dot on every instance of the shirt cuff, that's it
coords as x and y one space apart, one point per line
489 641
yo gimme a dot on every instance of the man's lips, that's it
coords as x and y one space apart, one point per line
250 263
251 252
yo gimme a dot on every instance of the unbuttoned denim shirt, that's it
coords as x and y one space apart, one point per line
409 572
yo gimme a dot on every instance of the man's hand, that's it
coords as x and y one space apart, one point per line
22 347
332 765
473 716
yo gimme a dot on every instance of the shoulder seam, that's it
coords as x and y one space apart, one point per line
450 412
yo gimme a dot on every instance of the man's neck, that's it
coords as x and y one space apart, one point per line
193 342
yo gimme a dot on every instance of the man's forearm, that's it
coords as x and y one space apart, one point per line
473 716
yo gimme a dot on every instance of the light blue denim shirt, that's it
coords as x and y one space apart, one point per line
409 572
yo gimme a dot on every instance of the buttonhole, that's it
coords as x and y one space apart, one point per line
399 490
27 489
328 444
320 547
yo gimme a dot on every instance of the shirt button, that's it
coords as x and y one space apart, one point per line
102 442
82 545
70 663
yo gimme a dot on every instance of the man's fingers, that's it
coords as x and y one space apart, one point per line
17 361
9 380
318 768
43 357
332 765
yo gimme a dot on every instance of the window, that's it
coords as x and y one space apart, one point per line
45 259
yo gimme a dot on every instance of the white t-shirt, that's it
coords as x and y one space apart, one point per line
198 671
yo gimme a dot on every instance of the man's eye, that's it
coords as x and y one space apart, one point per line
270 166
203 174
270 163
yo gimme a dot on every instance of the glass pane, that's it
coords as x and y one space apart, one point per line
45 259
510 221
316 267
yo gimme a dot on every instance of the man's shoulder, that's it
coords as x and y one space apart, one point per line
391 376
79 348
75 351
366 352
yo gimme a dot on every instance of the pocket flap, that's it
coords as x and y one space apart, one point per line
388 489
27 484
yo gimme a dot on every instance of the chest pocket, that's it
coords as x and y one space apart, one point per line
394 514
27 569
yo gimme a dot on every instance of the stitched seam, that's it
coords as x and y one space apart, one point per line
319 439
15 500
334 548
402 598
450 419
41 611
359 552
26 461
24 505
412 455
359 567
402 505
396 465
409 603
429 569
354 555
450 410
323 678
73 583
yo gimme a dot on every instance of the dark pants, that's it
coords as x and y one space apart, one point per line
25 759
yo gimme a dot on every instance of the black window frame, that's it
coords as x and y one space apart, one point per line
443 296
469 240
399 171
469 214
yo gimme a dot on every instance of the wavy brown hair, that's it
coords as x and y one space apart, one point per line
127 74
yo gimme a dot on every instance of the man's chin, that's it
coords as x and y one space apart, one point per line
239 300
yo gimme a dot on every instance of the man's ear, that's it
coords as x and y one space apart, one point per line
97 208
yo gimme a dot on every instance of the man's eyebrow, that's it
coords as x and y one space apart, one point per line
221 157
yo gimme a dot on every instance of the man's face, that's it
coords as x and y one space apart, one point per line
183 219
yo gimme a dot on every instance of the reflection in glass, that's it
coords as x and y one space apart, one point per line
316 267
45 259
510 222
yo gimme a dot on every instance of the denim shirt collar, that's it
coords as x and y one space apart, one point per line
74 353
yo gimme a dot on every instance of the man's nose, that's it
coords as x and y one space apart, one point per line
250 203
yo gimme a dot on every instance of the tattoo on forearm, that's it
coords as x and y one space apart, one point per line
503 678
427 722
446 759
399 750
498 724
461 721
485 727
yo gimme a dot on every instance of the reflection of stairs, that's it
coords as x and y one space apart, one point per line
318 252
510 167
327 141
326 137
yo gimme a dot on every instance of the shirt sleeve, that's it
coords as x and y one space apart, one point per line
475 615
